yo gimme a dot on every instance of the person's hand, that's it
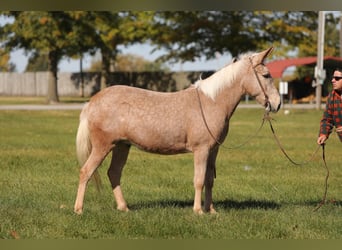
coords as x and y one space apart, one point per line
339 129
321 140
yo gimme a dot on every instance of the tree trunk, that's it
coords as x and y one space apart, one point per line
52 92
105 68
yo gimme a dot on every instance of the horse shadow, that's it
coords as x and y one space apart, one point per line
248 204
315 203
220 205
227 204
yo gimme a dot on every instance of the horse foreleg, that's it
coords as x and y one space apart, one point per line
94 161
119 158
200 162
209 182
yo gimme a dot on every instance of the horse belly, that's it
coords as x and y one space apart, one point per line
158 140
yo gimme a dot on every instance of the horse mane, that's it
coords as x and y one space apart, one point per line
222 78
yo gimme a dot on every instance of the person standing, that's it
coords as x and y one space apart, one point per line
332 115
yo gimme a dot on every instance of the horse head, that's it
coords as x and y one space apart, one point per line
258 81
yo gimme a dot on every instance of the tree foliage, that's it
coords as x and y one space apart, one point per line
114 29
37 63
190 35
5 64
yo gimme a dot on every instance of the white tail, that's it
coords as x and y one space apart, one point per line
83 144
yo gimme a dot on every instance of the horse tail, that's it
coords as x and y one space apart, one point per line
83 144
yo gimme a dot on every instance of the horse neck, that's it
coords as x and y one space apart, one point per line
230 92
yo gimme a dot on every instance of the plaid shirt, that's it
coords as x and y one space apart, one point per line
332 115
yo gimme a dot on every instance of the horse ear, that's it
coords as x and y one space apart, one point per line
266 53
261 56
269 51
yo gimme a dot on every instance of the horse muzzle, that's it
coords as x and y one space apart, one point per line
272 108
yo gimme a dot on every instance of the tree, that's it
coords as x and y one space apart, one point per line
104 31
107 38
190 35
117 28
41 32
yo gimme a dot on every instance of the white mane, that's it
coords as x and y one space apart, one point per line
212 85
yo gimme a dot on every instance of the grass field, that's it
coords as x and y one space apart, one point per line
258 193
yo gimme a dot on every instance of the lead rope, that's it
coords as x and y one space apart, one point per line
268 118
323 201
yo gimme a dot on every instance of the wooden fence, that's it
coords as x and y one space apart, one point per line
70 84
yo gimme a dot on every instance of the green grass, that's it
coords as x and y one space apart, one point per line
258 193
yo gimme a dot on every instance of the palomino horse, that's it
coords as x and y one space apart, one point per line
192 120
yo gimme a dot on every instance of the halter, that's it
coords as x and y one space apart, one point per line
259 82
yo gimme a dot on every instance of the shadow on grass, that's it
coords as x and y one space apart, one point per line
225 204
247 204
316 203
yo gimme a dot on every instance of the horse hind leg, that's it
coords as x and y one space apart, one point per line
93 162
119 158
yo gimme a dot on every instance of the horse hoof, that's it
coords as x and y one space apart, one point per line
78 211
198 211
212 211
123 209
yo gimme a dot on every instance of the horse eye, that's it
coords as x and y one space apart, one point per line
267 75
